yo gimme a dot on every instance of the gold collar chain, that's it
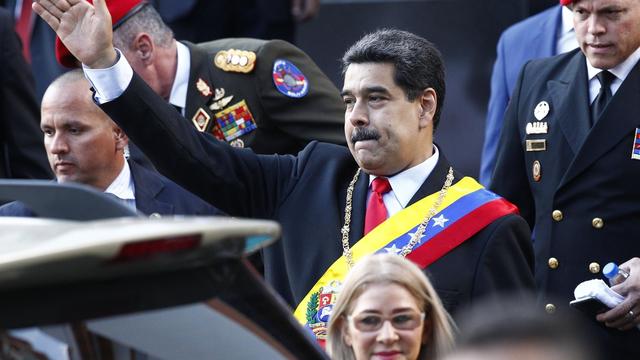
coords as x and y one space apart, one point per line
346 250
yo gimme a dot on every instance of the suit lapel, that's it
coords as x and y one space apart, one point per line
147 187
200 69
617 121
570 93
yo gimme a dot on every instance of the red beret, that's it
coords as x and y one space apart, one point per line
120 11
565 2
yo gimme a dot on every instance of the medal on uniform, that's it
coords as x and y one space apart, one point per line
536 171
203 87
537 127
201 119
536 145
541 110
237 143
635 152
219 102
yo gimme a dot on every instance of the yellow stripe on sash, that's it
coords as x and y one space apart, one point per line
393 227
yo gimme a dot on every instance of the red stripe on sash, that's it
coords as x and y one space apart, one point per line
458 232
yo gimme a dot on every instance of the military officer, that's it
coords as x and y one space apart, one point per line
569 157
266 95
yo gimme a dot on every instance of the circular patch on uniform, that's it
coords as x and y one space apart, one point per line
289 80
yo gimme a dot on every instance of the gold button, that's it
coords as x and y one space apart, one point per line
594 267
557 215
550 308
553 263
597 223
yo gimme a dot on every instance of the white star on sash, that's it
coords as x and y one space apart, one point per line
393 249
412 235
439 221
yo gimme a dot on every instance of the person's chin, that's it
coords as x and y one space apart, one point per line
65 178
601 58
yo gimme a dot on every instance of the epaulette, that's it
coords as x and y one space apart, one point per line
233 60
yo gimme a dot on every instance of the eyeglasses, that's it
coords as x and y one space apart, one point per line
372 322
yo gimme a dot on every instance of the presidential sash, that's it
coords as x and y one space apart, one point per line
466 209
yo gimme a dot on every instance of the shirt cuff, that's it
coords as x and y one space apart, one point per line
111 82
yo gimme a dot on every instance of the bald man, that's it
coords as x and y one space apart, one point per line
84 146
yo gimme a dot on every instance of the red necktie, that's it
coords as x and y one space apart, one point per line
376 211
23 28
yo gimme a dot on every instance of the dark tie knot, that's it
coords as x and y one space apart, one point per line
605 78
380 185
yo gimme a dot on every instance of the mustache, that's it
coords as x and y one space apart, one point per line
362 134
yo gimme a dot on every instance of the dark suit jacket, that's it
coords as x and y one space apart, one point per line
306 194
22 153
285 124
532 38
154 193
585 174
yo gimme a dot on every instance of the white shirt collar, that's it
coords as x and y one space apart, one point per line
405 184
621 71
122 186
178 96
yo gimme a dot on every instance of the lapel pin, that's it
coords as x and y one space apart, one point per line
635 153
536 145
542 110
537 127
203 87
201 119
537 171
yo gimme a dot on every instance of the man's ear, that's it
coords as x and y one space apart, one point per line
143 48
428 104
122 140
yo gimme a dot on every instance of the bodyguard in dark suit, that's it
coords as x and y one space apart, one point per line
542 35
568 159
21 152
266 95
394 87
155 195
85 146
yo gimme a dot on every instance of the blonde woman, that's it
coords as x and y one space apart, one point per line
387 309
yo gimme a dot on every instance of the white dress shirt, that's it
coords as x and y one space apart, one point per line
621 71
405 184
123 188
178 96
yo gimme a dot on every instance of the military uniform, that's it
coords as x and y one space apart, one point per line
266 95
575 184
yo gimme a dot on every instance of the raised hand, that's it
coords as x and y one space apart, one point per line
84 29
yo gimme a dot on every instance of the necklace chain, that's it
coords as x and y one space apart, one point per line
346 250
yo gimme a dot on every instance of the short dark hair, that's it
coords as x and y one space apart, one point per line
418 63
511 320
146 20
